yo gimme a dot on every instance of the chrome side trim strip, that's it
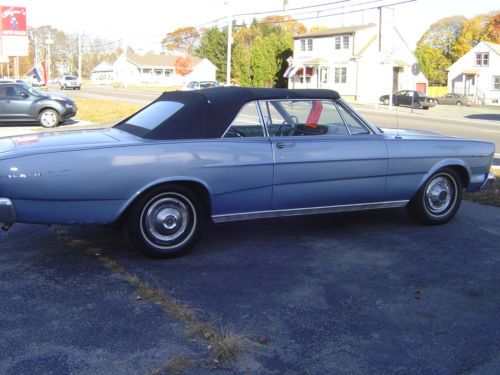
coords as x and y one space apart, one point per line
307 211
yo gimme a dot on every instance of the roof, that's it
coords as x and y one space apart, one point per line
495 47
153 60
103 67
207 113
333 31
316 61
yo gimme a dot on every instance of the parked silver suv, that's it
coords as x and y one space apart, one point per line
69 82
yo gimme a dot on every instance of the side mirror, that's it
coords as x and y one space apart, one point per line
25 96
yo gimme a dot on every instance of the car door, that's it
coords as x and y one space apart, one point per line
399 98
323 155
17 104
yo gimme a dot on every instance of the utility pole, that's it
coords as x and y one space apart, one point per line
49 41
79 55
229 42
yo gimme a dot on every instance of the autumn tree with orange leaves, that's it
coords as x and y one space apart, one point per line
183 65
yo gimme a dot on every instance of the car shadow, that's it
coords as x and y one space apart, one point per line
484 116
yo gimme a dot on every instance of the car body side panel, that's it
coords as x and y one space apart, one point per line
96 185
412 161
325 171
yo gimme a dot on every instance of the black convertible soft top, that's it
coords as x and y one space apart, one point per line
207 113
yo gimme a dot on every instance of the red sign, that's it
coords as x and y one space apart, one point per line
13 20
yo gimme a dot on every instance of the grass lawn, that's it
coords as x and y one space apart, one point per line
100 111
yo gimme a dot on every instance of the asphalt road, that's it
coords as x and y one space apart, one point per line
365 293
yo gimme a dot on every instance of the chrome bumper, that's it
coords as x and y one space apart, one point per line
7 213
488 181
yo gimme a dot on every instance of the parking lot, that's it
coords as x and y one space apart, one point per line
352 293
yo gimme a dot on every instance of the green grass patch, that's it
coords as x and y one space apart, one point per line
101 111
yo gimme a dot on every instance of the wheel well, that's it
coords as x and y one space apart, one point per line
462 172
197 187
44 108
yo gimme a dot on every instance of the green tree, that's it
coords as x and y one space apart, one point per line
450 38
213 46
240 66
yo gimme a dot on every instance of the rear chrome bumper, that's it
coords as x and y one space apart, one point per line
488 181
7 213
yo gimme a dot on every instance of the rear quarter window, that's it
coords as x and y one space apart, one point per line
155 114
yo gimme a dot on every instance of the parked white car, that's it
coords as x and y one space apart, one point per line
69 82
197 85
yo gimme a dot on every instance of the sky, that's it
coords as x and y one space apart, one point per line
143 23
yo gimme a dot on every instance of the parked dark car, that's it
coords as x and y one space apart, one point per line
454 99
22 103
410 98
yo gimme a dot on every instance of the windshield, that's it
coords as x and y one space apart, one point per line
70 78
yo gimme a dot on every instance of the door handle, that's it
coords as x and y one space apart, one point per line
285 144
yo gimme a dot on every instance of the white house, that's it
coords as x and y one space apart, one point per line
151 69
477 73
355 61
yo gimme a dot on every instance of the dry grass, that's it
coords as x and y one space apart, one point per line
224 345
101 111
490 196
177 365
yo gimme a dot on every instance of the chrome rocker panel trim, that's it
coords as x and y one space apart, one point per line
308 211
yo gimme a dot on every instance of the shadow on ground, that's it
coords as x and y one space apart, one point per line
484 116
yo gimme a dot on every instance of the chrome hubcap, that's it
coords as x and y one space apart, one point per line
48 118
440 194
168 220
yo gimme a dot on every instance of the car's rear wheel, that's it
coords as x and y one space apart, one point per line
439 199
49 118
165 222
459 104
386 101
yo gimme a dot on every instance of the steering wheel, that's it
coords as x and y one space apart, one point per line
290 124
234 134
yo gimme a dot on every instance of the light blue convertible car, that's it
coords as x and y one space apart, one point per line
233 154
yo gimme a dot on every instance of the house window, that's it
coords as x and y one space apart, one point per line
146 71
482 59
340 75
345 41
496 83
342 42
158 72
169 72
306 44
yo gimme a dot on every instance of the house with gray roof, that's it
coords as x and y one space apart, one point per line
151 69
477 74
357 61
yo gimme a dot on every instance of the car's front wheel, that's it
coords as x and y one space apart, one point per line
49 118
386 101
439 199
165 222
